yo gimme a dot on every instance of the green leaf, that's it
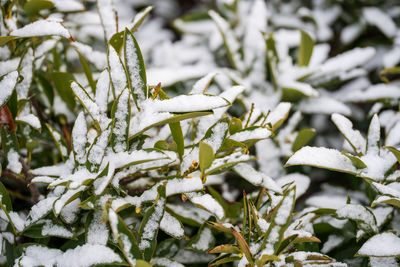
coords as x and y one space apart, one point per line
357 162
390 74
305 49
32 7
6 39
235 125
62 82
121 115
126 239
265 258
60 142
97 149
177 135
11 142
206 157
286 243
225 258
321 157
242 244
117 40
46 85
176 118
231 249
223 164
150 224
230 39
231 209
5 198
86 100
280 220
87 71
303 137
134 63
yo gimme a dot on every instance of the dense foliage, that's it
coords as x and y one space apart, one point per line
227 133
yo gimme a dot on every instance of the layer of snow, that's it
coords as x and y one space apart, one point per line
381 245
42 28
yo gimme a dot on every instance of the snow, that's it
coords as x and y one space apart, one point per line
348 60
26 72
205 240
50 229
97 232
208 203
107 17
189 103
256 178
386 190
327 201
172 226
97 58
383 261
102 89
30 119
359 213
168 76
232 44
350 33
323 105
42 28
88 255
323 158
374 136
68 5
65 198
303 88
217 136
253 134
279 113
201 85
79 138
17 221
381 245
39 210
150 228
332 242
164 262
101 183
13 161
285 209
190 212
301 181
121 127
354 137
97 150
7 84
373 93
133 67
381 20
70 212
117 71
10 65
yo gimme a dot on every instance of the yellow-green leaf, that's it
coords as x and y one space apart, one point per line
305 49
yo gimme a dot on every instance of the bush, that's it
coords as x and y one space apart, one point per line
124 145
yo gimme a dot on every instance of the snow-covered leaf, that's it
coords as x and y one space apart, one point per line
137 81
381 245
322 158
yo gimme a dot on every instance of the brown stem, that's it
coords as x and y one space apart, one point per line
35 194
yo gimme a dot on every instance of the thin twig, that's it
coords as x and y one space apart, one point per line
35 194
